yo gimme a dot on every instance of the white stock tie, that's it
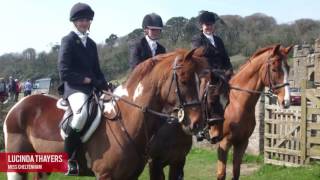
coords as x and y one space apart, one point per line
153 48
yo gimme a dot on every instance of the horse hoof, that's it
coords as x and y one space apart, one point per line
73 168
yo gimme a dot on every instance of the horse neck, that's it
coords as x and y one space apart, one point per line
145 91
145 94
249 78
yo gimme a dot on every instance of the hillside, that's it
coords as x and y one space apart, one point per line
242 37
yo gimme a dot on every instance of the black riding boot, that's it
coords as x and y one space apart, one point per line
71 143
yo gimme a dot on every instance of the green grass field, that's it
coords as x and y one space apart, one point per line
201 166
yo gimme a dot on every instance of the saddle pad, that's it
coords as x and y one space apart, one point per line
92 122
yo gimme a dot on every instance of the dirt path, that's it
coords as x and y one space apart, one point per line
246 169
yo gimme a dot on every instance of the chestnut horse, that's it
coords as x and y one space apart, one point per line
117 149
170 145
266 68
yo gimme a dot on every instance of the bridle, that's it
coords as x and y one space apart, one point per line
180 109
212 87
204 99
208 121
169 116
271 87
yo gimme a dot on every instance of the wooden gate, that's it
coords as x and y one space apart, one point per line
292 136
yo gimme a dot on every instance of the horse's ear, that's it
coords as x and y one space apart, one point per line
276 49
189 54
288 49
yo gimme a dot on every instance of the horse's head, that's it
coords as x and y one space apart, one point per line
170 83
217 82
180 91
276 73
214 90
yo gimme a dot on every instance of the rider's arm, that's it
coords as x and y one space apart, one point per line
66 71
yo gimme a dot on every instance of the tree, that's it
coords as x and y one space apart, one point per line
135 34
190 29
111 41
55 48
29 54
307 30
230 32
174 28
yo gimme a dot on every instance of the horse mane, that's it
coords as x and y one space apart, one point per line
144 68
165 61
257 53
261 51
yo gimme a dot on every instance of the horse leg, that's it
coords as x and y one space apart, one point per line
18 143
238 152
40 176
176 171
17 176
223 149
156 170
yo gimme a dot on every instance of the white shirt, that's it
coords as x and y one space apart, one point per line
210 37
152 44
83 36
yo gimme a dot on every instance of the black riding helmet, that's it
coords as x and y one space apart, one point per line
152 20
207 17
81 10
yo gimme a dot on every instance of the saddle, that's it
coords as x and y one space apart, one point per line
92 122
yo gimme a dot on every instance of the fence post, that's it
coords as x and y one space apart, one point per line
303 125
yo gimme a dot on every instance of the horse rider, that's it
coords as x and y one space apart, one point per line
208 39
80 72
148 46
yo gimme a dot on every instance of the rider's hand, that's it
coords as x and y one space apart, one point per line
99 84
110 86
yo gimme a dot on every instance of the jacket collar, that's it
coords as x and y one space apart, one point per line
78 40
207 41
82 36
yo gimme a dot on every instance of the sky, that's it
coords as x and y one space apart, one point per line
40 24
